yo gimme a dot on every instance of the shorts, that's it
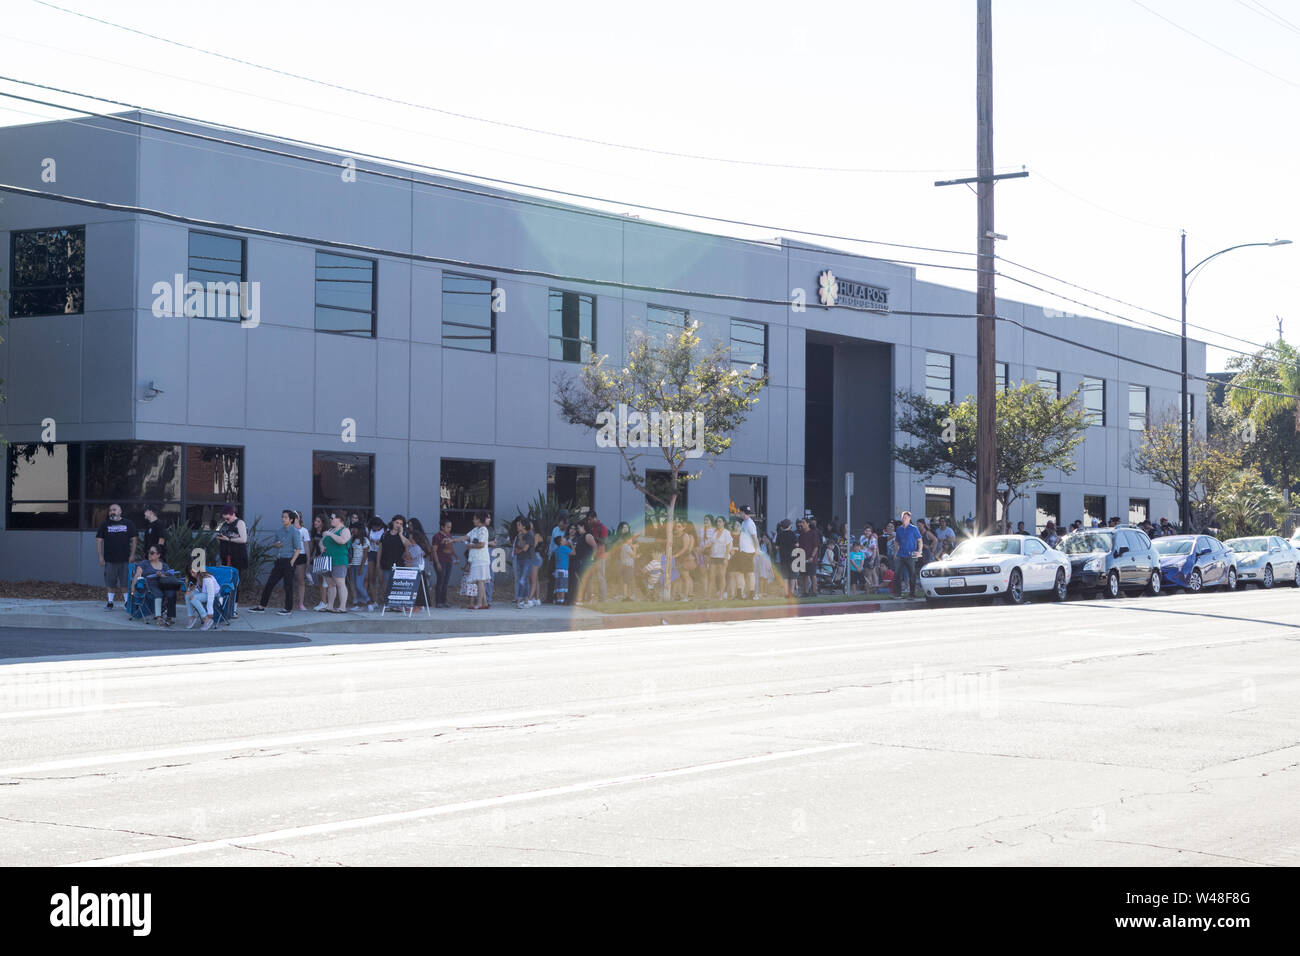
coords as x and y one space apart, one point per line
115 574
339 571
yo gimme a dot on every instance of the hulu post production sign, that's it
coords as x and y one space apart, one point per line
836 290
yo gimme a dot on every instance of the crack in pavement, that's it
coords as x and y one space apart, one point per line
1183 849
294 857
86 826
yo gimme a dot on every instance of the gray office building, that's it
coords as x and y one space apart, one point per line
397 345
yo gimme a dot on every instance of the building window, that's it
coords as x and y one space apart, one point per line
656 508
48 270
219 264
573 326
1138 397
1001 376
573 487
660 321
466 488
749 347
1093 392
345 294
938 378
134 475
938 504
1050 382
1048 509
749 490
468 321
342 481
44 489
1094 509
214 478
1138 509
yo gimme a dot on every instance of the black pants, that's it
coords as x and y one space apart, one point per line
167 592
282 572
443 572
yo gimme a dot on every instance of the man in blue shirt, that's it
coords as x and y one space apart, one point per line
909 549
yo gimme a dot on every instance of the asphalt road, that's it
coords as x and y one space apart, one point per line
1156 731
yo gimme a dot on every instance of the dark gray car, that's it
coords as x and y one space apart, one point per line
1111 561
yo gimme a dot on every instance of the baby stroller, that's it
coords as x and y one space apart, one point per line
832 572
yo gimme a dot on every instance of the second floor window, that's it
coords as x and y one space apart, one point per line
1137 407
1093 394
938 377
468 321
48 269
749 346
218 263
1050 382
345 294
572 326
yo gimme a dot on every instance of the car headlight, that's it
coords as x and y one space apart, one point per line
995 569
1093 564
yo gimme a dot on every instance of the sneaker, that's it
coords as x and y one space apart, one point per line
284 613
194 622
258 608
207 626
108 606
375 607
234 615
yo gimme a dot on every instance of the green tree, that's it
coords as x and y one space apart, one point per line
674 403
1035 431
1264 414
1211 465
1248 505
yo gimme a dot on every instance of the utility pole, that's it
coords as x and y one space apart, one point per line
986 404
986 301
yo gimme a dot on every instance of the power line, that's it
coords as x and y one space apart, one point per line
581 280
1274 18
1211 43
480 119
436 169
385 174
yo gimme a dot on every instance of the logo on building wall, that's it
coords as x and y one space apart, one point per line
832 290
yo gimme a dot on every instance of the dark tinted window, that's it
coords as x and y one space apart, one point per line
571 486
342 482
573 326
468 321
215 262
48 267
466 488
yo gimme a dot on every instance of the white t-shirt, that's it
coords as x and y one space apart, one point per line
748 536
718 543
479 555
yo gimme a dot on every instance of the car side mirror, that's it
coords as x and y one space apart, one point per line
1202 552
1121 551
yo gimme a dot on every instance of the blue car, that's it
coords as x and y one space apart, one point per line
1195 561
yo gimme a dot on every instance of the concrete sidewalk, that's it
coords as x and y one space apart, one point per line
499 619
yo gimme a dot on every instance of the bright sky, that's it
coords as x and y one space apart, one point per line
1130 127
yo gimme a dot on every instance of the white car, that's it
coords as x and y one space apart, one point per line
1009 566
1265 560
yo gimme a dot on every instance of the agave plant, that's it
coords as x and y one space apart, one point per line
545 510
1249 506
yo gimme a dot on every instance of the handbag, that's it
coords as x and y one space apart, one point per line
323 564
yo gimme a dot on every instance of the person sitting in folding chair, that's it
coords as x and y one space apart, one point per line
161 584
200 597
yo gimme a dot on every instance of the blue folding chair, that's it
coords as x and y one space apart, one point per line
224 606
138 605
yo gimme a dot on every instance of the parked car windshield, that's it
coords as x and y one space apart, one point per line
1174 545
1085 543
972 549
1243 545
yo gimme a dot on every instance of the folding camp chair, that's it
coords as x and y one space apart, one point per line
224 606
139 606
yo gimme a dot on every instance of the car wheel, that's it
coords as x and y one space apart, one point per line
1194 582
1154 587
1060 590
1015 587
1295 577
1232 579
1112 585
1267 581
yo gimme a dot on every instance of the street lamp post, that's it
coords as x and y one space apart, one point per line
1184 506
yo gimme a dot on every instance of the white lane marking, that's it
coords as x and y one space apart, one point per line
87 709
286 740
357 823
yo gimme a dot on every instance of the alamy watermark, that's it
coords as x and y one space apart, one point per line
976 693
211 300
631 428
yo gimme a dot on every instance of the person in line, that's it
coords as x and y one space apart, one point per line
155 532
115 541
763 573
161 584
748 547
908 538
720 547
786 542
444 551
319 579
201 597
300 562
534 582
288 548
627 547
480 561
334 545
684 560
600 534
358 552
232 549
524 546
810 544
393 545
947 537
417 555
584 547
561 549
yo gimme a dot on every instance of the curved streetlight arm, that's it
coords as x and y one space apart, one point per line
1244 245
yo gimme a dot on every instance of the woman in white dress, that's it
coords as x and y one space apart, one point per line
480 561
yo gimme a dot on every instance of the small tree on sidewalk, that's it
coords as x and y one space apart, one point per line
673 402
